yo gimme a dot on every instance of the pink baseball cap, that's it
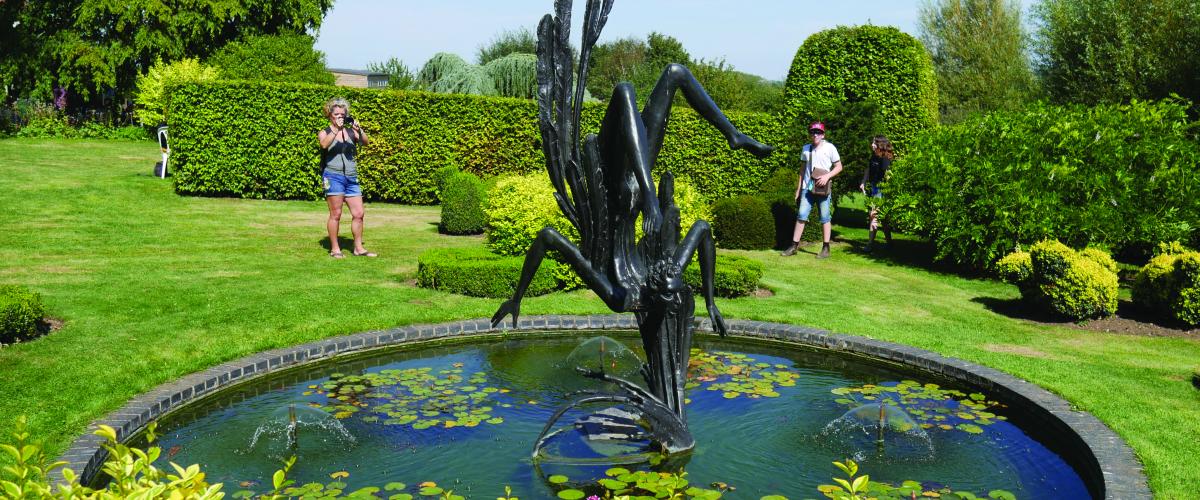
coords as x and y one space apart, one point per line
817 126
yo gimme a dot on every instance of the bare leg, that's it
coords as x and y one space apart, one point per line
798 231
613 295
334 221
356 222
622 138
658 110
699 238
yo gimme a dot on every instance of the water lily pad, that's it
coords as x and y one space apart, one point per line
570 494
558 479
430 491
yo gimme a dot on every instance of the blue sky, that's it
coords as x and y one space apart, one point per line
755 36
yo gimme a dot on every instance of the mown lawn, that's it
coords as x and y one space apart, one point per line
153 286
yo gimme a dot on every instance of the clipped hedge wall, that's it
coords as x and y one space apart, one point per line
21 311
733 276
1120 176
743 222
463 197
1066 283
258 140
480 273
1170 285
859 63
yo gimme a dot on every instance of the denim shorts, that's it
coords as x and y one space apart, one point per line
874 191
340 185
807 200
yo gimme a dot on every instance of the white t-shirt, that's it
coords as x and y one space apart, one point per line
824 157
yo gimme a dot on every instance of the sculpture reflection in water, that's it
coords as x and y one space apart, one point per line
602 185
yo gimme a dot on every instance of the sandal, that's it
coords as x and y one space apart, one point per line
337 255
365 254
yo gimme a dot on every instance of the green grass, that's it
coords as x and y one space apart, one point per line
153 286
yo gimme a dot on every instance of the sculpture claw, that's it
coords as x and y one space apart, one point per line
508 307
718 321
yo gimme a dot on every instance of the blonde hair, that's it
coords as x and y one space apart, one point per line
336 102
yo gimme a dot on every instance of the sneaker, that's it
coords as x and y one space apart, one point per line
790 250
824 252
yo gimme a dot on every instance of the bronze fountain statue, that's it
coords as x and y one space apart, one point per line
602 186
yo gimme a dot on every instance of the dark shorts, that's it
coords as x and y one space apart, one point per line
340 185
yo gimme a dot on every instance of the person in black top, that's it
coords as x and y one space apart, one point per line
881 159
339 174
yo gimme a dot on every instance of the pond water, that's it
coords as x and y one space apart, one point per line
766 420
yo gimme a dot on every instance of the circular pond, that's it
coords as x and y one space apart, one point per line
767 419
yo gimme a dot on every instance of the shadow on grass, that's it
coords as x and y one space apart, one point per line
1129 319
1019 308
343 243
908 251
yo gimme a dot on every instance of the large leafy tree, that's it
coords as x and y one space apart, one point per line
400 76
979 52
278 58
1098 51
90 46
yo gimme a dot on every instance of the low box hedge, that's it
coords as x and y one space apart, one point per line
21 312
733 276
479 273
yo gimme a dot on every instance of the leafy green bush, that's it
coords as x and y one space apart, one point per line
47 126
867 63
441 175
1071 285
1169 285
1170 248
517 208
462 205
154 88
1016 268
1120 176
480 273
284 57
743 222
733 276
21 312
413 134
1104 259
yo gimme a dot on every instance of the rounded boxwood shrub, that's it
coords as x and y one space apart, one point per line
1100 257
1170 285
1071 285
21 311
1016 268
462 204
480 273
743 222
517 208
733 276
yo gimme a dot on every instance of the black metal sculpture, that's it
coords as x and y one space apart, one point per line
602 188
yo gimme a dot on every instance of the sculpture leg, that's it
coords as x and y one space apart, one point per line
623 140
658 109
548 237
699 238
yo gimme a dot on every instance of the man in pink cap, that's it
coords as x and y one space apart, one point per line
821 165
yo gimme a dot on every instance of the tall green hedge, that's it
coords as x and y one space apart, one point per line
258 140
1122 176
860 63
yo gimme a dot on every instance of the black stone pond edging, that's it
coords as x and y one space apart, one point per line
1106 464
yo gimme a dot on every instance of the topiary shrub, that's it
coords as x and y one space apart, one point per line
480 273
21 312
1104 259
1016 268
743 222
441 175
733 276
462 205
1169 285
1070 285
845 64
517 208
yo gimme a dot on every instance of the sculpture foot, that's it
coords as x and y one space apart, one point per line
508 307
743 141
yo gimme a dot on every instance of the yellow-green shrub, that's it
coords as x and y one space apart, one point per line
517 208
1170 285
1075 285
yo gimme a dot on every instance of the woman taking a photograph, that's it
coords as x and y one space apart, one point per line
339 175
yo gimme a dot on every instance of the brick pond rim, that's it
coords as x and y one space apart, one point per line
1105 463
